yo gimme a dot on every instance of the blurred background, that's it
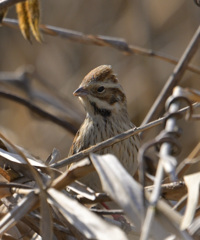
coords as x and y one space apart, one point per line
57 67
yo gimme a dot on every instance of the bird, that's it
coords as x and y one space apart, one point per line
105 104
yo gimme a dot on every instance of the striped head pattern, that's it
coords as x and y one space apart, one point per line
101 94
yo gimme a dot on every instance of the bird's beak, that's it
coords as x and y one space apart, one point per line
80 92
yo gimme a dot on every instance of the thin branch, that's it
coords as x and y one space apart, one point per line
107 212
32 171
14 185
167 163
9 3
149 218
174 78
22 78
170 191
78 156
189 161
113 140
99 40
39 111
99 197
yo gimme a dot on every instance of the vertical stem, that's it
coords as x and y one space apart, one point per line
174 78
153 201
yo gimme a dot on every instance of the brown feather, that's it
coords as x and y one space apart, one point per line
106 117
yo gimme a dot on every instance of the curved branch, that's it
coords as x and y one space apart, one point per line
9 3
174 78
99 40
68 126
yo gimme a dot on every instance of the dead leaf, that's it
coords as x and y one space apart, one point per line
120 186
20 209
33 11
88 223
193 185
75 172
23 20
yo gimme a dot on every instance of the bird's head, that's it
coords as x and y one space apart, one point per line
101 93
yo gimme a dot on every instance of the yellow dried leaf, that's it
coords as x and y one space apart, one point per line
23 20
33 11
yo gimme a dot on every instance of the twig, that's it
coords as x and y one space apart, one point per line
21 191
169 190
39 111
181 203
153 201
14 185
189 161
113 140
22 78
33 171
99 40
9 3
197 2
107 212
99 197
78 156
174 78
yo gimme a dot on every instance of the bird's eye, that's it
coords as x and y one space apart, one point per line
100 89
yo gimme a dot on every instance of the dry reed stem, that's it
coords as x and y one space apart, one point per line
31 168
9 3
100 40
72 129
39 111
113 140
174 78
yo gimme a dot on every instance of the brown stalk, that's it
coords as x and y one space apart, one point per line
113 140
9 3
100 40
174 78
39 111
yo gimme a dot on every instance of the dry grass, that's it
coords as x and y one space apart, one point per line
150 46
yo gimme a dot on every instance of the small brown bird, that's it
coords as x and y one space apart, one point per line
105 103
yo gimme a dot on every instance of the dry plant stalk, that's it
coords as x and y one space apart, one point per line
60 215
116 182
106 41
3 13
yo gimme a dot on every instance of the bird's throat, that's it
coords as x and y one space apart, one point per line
101 111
